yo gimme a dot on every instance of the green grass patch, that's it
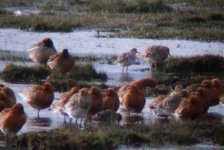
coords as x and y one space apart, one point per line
141 6
24 74
9 56
195 64
111 137
81 75
138 18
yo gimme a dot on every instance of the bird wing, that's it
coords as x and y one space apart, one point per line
122 58
35 46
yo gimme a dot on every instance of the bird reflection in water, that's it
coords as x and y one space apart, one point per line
39 122
124 77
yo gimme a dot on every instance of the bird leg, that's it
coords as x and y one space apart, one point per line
70 121
38 113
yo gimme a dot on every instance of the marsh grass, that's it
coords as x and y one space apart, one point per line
81 75
141 6
9 56
186 132
24 74
132 18
195 64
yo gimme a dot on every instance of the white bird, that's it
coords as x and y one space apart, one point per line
127 59
41 51
79 104
156 55
57 107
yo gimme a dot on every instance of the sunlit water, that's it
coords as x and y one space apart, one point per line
86 43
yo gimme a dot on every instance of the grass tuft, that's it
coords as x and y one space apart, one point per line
187 132
82 75
141 6
195 64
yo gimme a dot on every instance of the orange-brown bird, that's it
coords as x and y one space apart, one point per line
10 93
61 62
190 108
12 119
141 84
97 101
110 100
39 96
41 51
133 99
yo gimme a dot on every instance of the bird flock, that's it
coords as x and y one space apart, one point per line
102 104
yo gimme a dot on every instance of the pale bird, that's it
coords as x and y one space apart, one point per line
41 51
78 105
39 96
156 55
61 62
63 99
127 59
169 104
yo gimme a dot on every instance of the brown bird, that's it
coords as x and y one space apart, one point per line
141 84
61 62
133 99
145 82
5 101
169 104
63 99
127 59
97 101
39 96
191 108
108 116
110 100
41 51
12 119
10 93
156 55
207 94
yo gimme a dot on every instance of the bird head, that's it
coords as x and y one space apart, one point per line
48 42
18 108
74 89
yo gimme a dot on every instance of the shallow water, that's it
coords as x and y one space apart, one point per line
86 43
